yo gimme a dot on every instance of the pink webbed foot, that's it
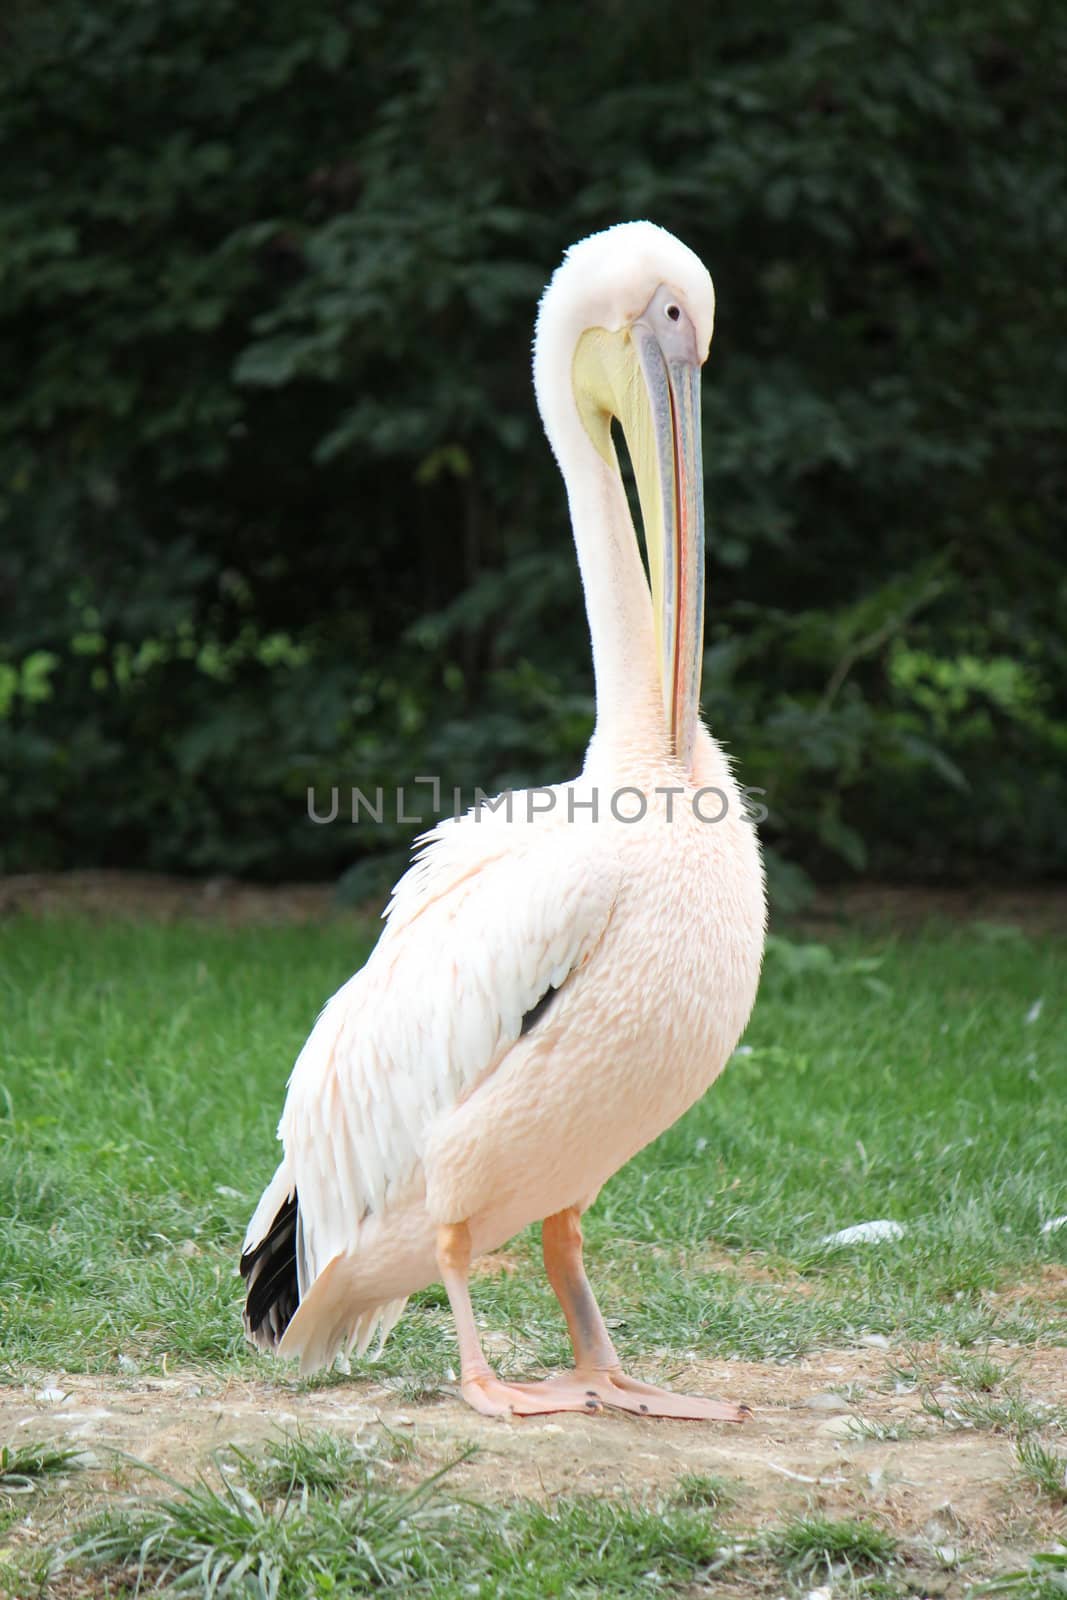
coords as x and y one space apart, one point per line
592 1392
494 1398
620 1392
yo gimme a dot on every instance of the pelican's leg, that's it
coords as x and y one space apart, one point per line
597 1366
479 1385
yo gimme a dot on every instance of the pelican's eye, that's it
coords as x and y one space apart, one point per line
673 312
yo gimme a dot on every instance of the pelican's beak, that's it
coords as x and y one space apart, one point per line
648 376
672 509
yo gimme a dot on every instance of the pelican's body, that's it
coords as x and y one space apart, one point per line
562 976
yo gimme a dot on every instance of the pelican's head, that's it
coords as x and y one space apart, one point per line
622 333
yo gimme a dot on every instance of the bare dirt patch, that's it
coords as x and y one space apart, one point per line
1033 909
1049 1290
159 897
839 1433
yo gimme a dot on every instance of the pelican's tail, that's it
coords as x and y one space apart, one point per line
330 1321
331 1316
268 1262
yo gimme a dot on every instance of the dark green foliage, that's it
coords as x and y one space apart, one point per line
274 502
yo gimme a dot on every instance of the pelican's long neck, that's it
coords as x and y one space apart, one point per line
629 698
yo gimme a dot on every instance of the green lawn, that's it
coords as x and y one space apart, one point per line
143 1070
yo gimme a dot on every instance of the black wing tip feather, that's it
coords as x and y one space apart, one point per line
270 1269
534 1015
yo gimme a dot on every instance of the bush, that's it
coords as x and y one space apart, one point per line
276 509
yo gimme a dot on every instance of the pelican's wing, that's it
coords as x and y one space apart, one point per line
490 917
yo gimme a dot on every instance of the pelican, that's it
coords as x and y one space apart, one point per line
563 972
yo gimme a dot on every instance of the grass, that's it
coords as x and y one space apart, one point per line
332 1522
970 1389
1044 1468
861 1427
316 1516
26 1467
1043 1578
254 1537
978 1371
705 1489
820 1548
1011 1412
144 1069
315 1463
338 1528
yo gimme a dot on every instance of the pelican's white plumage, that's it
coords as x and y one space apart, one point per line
478 930
422 1123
